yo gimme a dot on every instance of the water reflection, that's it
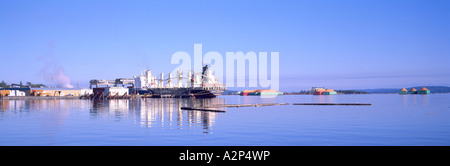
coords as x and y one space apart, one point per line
324 98
160 112
39 105
415 100
150 112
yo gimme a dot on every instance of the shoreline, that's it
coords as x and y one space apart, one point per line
38 97
139 96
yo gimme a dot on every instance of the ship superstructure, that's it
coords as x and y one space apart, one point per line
194 84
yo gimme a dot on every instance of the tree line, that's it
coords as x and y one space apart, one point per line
3 84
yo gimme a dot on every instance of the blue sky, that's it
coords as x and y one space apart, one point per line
339 44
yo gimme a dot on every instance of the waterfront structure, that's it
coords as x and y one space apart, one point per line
413 91
246 92
16 93
317 90
115 91
196 84
110 92
86 92
54 92
41 92
403 91
145 80
322 91
424 91
329 92
111 83
4 92
98 83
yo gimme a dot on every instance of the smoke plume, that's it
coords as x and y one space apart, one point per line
52 72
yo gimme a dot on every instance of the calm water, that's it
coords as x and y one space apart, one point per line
391 120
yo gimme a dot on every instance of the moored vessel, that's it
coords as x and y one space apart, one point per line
196 85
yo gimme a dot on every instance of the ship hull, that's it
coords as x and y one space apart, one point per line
185 92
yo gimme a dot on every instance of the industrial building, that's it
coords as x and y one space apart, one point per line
54 92
322 91
110 91
45 92
318 91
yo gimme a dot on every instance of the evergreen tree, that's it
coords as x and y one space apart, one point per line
3 84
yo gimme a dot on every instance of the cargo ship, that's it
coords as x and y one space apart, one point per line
196 85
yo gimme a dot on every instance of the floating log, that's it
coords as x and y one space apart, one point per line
331 104
249 105
201 109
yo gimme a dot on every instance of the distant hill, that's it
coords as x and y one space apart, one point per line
433 89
